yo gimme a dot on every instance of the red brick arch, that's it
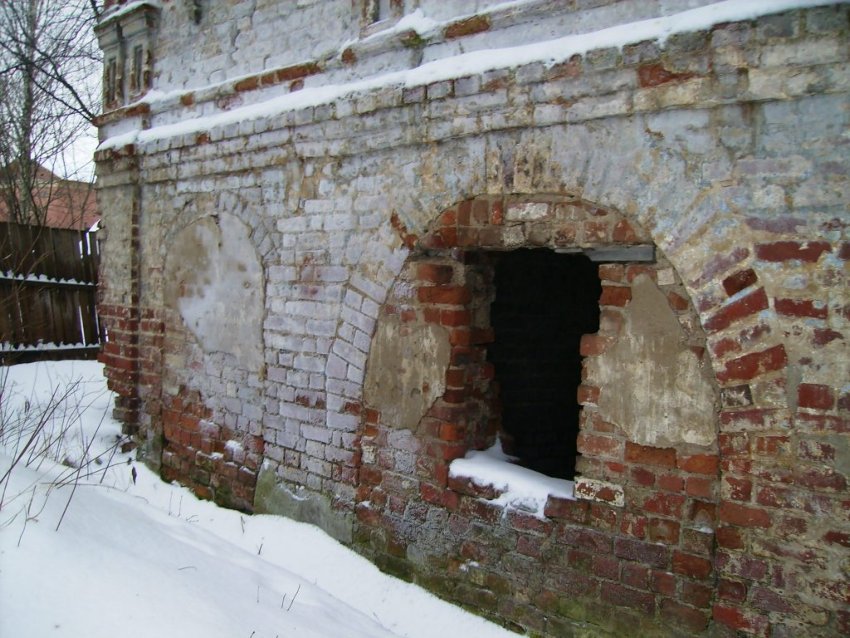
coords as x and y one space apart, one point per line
637 536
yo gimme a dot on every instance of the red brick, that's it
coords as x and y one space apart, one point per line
594 344
569 69
691 566
648 554
739 620
445 294
733 444
621 596
568 509
469 26
247 84
588 539
837 538
820 479
768 600
482 510
809 251
623 232
736 310
429 314
460 336
297 71
530 545
752 365
595 231
497 214
699 464
646 455
437 496
607 567
739 281
587 395
702 513
452 432
655 74
770 445
611 272
663 531
642 476
600 446
635 575
684 617
824 423
453 318
697 594
588 491
677 302
823 336
790 526
699 487
615 296
843 622
731 590
771 496
604 516
671 482
725 346
740 489
529 523
800 308
434 273
729 538
663 583
815 396
720 264
635 270
743 516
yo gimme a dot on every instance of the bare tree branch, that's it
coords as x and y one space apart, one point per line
48 97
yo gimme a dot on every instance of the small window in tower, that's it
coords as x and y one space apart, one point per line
110 81
138 69
544 303
379 10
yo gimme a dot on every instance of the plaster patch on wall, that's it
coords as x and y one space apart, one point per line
407 370
654 387
215 280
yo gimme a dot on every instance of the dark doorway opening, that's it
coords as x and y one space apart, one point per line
544 303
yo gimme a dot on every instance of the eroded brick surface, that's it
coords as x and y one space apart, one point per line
722 151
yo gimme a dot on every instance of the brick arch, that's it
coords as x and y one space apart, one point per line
672 491
696 223
727 262
206 437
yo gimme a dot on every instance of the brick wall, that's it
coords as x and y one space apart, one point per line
377 213
650 555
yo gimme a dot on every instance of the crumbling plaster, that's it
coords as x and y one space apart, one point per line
666 395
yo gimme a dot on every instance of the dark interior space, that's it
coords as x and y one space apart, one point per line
544 303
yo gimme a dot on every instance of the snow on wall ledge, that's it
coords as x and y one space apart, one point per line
514 487
550 52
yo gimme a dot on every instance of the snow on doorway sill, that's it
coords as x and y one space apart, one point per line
517 488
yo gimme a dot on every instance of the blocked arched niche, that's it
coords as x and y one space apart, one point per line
643 369
214 279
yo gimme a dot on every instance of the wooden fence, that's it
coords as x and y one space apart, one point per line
48 286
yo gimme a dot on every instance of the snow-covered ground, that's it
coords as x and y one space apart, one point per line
133 556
